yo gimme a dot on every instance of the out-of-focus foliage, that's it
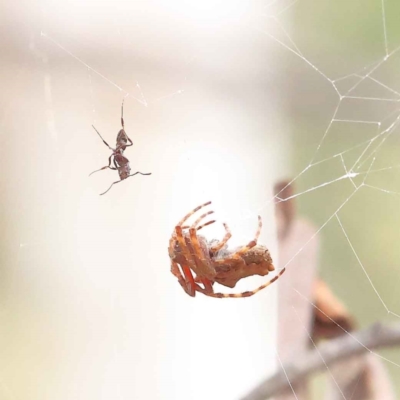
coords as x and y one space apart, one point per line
341 38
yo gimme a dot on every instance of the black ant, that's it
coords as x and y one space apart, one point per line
121 163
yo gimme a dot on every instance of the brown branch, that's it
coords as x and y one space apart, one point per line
374 337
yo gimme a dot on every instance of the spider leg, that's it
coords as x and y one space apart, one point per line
200 218
108 166
188 284
197 279
201 263
208 288
177 273
192 251
223 242
189 280
184 248
201 226
207 223
103 139
187 216
245 294
251 244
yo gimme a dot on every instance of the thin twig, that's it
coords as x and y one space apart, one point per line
328 353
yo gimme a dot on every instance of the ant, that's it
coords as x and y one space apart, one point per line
121 163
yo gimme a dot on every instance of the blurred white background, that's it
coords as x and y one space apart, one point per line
88 307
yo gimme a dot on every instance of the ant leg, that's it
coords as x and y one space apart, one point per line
141 173
121 180
108 166
101 194
129 139
103 139
115 164
97 170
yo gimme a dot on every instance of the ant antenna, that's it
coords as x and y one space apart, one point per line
101 137
122 114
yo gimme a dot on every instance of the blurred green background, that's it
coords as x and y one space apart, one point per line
342 38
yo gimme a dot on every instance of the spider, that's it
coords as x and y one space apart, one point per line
121 163
211 261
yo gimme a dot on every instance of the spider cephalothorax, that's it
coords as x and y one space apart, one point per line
211 261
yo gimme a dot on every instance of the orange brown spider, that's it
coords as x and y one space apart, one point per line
212 261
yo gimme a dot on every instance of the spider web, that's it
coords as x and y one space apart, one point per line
353 160
349 153
347 148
